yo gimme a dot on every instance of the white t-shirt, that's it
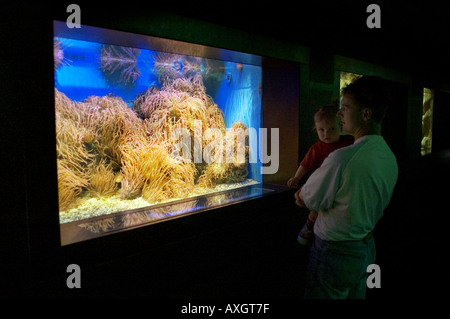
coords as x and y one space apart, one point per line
351 189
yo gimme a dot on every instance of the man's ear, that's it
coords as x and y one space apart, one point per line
366 114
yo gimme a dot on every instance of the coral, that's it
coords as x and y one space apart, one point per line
119 64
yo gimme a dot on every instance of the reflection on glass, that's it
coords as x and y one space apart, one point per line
75 231
427 121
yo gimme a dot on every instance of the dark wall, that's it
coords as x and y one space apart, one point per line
394 125
281 99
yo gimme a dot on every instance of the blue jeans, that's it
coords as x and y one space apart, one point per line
338 269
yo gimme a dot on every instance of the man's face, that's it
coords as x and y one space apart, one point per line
350 114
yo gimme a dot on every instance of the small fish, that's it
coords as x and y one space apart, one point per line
228 77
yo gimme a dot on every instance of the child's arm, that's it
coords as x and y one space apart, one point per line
293 181
298 198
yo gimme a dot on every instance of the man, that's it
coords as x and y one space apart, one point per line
350 191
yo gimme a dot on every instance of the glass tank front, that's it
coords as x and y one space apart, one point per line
145 132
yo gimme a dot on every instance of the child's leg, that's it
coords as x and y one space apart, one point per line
313 216
307 233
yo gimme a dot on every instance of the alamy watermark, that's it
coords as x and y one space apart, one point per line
374 279
74 19
74 279
373 21
228 148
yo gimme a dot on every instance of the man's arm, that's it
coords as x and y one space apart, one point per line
319 191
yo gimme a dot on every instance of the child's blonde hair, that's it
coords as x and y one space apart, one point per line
326 112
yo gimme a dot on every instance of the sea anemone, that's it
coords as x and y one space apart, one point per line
233 166
167 67
107 150
165 178
119 64
59 59
117 125
102 179
132 178
70 185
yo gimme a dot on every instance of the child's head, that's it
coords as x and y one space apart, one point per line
326 124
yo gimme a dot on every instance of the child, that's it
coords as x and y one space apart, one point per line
328 129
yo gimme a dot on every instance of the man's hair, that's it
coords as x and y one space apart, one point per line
372 92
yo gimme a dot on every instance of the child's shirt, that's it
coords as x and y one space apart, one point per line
319 151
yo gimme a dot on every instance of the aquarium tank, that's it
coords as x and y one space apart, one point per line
427 121
145 133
